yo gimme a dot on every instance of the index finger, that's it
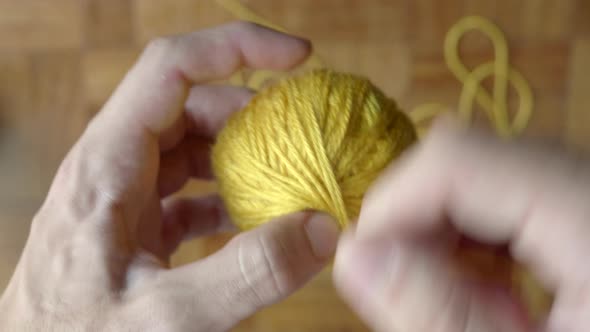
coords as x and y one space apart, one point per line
491 191
155 88
117 158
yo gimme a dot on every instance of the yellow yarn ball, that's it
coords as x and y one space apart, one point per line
315 141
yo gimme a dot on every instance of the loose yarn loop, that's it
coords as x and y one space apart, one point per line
496 105
319 140
311 142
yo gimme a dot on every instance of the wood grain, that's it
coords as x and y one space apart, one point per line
40 25
61 59
108 24
577 130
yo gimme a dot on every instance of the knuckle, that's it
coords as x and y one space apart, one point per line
447 134
441 149
267 268
282 264
434 143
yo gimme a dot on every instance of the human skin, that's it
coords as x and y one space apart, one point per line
97 256
395 269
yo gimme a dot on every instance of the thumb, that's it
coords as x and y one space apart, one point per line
406 287
260 267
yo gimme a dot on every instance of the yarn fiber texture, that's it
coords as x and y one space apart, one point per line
494 103
315 141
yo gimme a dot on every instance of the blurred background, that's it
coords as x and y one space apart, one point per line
60 60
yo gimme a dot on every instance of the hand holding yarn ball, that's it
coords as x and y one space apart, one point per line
318 141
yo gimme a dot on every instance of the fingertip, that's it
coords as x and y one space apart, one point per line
269 48
302 41
450 130
273 260
322 232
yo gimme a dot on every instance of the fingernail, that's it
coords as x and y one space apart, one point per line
322 232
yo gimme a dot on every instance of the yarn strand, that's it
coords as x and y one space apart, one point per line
318 141
496 107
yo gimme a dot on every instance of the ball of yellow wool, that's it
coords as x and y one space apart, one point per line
315 141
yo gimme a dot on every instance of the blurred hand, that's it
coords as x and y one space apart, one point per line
98 250
396 268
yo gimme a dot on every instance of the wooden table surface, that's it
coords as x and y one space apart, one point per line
60 60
